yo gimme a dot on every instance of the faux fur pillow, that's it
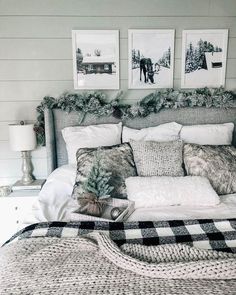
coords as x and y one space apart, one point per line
156 191
217 163
116 159
158 158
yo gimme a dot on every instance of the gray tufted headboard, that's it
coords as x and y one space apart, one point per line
56 120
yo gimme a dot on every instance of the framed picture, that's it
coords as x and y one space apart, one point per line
96 59
204 55
151 58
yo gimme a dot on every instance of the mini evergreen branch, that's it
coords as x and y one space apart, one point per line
98 180
96 103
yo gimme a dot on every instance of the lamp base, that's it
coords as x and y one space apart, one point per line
35 185
27 168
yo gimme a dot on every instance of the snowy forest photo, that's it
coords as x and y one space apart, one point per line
96 59
151 54
204 58
195 56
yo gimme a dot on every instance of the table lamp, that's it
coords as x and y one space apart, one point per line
22 139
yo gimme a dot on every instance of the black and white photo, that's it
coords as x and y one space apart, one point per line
204 58
96 59
151 58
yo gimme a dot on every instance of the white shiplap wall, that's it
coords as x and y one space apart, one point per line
36 58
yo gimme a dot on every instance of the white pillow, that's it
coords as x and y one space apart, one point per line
163 132
159 191
209 134
90 137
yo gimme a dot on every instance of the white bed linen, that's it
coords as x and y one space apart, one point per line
208 134
55 203
226 209
163 132
90 137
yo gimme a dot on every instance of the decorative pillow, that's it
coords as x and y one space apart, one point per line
217 163
116 159
210 134
163 132
159 191
158 158
90 137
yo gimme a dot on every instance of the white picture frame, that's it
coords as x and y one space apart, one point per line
156 49
204 54
95 59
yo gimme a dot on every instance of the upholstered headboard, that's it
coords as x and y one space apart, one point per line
56 120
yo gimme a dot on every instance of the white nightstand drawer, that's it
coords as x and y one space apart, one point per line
25 206
19 207
7 231
14 210
7 210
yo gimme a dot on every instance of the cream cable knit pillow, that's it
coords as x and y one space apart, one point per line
158 158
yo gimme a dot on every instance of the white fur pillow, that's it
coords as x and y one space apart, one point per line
91 136
163 132
159 191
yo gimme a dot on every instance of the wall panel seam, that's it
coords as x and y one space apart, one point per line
117 16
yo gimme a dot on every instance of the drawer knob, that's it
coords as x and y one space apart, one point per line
17 221
16 208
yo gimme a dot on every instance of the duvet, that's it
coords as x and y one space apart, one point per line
175 257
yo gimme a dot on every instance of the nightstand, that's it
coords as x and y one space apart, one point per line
16 212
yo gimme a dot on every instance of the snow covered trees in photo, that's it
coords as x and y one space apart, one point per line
204 58
79 59
165 59
136 58
151 59
195 56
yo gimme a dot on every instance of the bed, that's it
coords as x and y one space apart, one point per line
56 120
166 250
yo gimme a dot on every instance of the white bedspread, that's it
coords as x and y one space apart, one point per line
55 203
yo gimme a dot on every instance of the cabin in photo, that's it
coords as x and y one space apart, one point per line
213 60
98 64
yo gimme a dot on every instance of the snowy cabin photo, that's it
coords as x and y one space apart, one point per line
151 58
204 58
96 59
97 64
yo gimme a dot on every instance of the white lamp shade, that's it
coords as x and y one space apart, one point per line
22 137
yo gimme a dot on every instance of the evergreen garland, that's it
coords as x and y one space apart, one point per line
97 103
98 181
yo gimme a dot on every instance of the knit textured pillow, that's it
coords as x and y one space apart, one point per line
117 159
217 163
158 158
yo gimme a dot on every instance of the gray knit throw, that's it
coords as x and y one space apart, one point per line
95 265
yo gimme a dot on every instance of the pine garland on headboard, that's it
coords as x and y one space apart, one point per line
98 104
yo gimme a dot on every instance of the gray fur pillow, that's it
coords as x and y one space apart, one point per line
158 158
117 159
217 163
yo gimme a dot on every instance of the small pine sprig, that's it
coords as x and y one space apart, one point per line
98 180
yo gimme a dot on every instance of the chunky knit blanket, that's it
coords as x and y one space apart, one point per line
93 264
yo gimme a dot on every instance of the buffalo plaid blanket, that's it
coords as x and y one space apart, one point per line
211 234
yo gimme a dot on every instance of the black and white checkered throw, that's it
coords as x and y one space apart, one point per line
211 234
